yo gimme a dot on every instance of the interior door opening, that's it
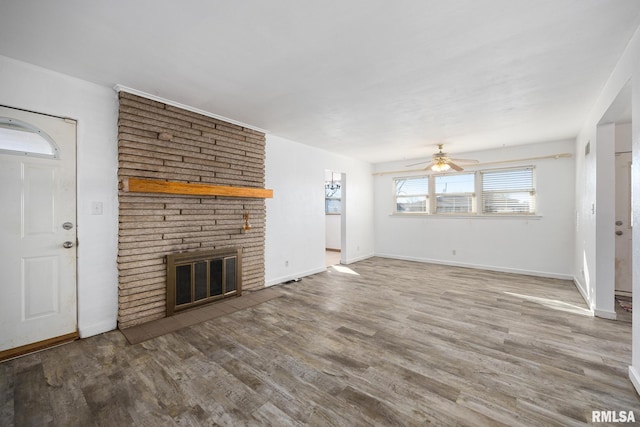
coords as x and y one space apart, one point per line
615 152
623 238
333 209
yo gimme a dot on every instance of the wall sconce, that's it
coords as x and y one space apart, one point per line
246 226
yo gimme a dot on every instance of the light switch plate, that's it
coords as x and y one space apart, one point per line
96 208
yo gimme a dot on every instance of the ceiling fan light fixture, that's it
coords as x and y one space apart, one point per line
441 162
440 167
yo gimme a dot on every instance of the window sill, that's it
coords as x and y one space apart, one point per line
462 216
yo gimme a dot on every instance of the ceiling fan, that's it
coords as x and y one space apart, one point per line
441 162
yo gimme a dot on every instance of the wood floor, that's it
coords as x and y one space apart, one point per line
380 342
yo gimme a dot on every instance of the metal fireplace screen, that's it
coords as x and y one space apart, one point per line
195 278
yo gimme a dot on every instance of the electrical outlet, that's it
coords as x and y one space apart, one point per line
286 263
453 252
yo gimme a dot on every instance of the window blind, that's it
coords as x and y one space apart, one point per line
508 191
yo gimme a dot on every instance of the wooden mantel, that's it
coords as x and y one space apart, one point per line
139 185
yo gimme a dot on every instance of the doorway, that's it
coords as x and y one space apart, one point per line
623 224
623 238
618 225
38 232
333 210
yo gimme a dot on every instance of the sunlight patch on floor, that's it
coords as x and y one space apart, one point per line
555 304
343 269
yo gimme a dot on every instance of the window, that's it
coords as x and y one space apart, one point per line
455 193
333 195
489 192
21 138
508 191
332 201
412 194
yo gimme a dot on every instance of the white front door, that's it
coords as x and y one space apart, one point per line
623 224
37 231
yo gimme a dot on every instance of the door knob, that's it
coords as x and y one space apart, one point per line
67 245
618 233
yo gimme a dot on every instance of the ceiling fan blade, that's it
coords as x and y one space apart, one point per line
416 164
465 161
428 166
454 166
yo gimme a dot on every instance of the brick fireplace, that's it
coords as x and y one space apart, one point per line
157 141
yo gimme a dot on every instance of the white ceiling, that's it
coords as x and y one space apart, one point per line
373 79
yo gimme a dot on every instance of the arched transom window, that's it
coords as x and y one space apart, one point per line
23 139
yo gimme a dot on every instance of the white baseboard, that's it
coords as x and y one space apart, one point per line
292 276
605 314
480 267
279 280
634 376
360 258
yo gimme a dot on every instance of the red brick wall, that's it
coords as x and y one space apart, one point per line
159 141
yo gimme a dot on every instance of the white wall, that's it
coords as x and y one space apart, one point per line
623 137
332 231
95 109
539 246
295 235
594 186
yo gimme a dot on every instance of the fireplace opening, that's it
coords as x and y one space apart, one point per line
196 278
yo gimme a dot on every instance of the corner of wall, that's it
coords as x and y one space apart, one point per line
583 292
359 258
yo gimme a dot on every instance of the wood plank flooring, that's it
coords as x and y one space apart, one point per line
380 342
139 333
